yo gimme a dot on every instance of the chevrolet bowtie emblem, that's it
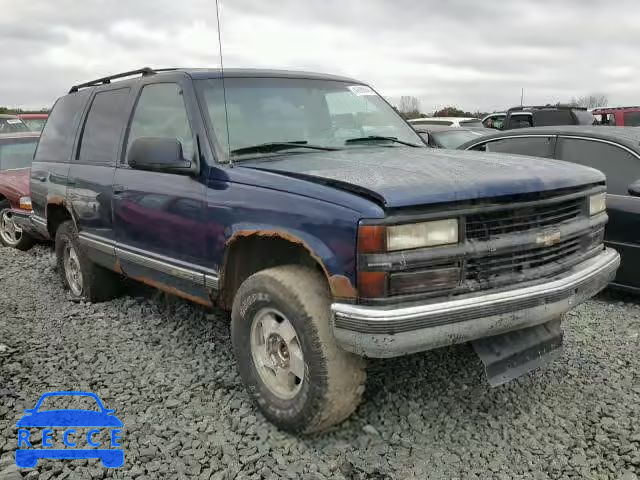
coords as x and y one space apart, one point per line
549 238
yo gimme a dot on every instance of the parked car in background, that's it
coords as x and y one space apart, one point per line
618 116
446 121
538 116
494 120
305 205
35 121
12 124
612 150
437 136
16 155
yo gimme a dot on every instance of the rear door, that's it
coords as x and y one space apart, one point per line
622 168
159 217
91 174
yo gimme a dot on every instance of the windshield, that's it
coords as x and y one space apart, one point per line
18 154
454 138
12 125
320 113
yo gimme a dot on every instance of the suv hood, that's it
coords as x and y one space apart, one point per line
402 177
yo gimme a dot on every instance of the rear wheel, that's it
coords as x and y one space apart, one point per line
286 352
10 234
84 279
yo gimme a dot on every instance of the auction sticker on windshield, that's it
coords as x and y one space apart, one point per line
361 90
69 433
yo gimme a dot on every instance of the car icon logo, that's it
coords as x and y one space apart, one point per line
72 422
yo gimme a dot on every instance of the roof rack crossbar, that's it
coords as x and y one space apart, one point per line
106 80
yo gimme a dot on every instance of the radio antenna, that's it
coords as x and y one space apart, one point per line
224 90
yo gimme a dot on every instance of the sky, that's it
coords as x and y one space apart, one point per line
468 53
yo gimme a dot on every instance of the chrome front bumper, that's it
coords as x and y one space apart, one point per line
390 332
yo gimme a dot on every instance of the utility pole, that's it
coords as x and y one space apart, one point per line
522 97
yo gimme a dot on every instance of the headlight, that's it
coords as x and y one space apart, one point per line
425 234
597 203
25 203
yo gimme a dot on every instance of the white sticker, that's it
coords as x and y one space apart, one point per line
11 121
361 90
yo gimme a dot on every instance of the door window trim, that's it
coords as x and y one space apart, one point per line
122 163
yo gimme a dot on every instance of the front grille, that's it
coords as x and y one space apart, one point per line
521 261
488 225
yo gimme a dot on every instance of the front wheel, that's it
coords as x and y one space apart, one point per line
286 352
10 234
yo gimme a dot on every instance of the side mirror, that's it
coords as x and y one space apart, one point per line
158 154
634 189
424 136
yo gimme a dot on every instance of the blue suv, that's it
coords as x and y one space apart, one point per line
306 206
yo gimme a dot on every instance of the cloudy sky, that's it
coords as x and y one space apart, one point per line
476 54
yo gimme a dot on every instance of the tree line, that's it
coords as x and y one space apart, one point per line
409 107
16 111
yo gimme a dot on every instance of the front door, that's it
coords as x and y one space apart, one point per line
160 236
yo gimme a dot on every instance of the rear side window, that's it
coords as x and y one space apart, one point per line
534 146
17 154
59 133
161 113
544 118
631 119
433 122
520 121
620 167
103 127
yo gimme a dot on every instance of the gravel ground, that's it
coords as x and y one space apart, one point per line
167 369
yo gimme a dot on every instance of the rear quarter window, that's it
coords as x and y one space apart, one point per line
56 141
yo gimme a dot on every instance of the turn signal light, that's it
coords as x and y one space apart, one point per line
25 203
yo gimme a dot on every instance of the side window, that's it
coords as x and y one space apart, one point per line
535 146
103 127
520 121
161 113
631 119
620 167
56 141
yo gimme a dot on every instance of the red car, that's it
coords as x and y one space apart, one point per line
16 155
618 116
35 121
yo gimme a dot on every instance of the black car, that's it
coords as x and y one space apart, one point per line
439 136
538 116
613 150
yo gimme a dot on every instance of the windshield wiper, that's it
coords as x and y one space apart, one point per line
378 138
277 146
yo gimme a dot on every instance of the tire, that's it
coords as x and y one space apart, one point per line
332 381
10 235
84 279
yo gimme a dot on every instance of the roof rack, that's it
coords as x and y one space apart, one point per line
106 80
543 107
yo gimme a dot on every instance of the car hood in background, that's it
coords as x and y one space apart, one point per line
15 182
402 177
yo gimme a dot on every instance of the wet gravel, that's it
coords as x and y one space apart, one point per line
167 369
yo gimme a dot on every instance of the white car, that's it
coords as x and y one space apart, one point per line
446 121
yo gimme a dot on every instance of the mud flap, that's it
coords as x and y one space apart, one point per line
513 354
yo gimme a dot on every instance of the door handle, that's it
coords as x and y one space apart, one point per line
117 189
